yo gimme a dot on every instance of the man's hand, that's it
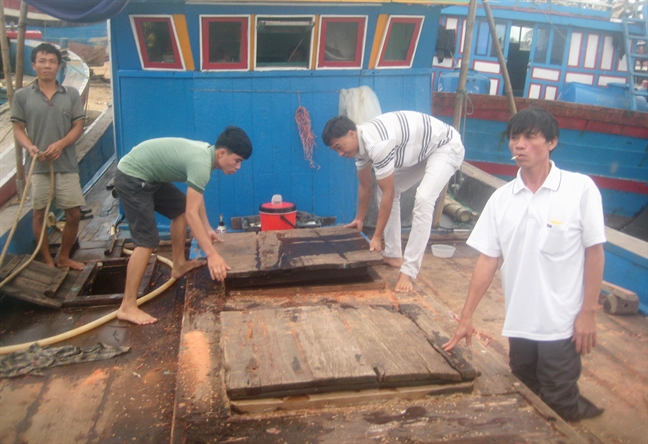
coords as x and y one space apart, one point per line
217 267
585 332
33 152
213 236
54 151
375 244
464 330
356 223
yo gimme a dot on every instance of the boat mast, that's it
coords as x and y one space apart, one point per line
500 57
20 69
460 96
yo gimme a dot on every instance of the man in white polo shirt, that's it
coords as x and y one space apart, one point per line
404 147
547 224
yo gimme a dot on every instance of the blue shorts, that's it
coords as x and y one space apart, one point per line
141 200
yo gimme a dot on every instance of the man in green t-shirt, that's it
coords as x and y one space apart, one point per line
143 182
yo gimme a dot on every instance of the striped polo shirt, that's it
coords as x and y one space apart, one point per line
400 139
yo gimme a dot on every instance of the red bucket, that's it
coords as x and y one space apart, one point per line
278 216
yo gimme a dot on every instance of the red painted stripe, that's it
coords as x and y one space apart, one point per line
627 186
572 116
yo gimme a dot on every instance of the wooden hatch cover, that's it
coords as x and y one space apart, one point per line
299 255
307 350
37 283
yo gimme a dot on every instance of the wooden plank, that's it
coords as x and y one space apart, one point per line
272 252
332 355
373 281
266 357
395 348
347 399
312 277
270 352
437 337
79 283
305 350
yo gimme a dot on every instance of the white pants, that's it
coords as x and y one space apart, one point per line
433 174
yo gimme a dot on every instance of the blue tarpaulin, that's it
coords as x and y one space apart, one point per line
80 11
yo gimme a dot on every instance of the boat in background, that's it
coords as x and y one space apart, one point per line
584 62
88 40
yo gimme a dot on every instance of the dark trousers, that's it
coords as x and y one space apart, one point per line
551 370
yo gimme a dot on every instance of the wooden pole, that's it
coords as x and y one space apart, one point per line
500 56
20 44
6 59
459 98
20 69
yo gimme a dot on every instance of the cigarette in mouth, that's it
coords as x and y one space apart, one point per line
514 157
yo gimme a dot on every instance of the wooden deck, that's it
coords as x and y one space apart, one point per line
172 385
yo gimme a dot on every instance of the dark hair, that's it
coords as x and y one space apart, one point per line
533 120
47 48
337 127
236 141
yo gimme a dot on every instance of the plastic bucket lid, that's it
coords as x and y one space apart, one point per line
282 208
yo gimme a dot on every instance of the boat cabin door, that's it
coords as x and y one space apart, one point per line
517 62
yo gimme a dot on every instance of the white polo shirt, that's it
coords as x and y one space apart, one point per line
542 238
402 139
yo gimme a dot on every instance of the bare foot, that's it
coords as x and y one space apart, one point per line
70 263
404 284
135 315
180 271
395 262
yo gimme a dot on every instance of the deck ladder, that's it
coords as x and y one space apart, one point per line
635 26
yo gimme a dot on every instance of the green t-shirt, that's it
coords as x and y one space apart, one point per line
171 159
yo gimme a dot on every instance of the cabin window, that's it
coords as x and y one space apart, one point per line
284 42
485 45
157 42
521 37
483 37
400 41
550 46
224 43
500 30
341 42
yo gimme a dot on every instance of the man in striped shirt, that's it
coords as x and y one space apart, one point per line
404 147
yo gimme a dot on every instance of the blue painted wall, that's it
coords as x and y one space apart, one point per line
199 105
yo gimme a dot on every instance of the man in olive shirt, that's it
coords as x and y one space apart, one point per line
47 121
143 182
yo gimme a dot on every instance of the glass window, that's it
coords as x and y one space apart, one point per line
283 42
558 47
521 37
157 42
500 29
399 43
483 39
224 42
341 42
542 45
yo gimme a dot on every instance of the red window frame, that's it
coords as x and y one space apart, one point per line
245 31
141 46
418 24
357 63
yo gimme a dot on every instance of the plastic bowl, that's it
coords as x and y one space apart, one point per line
440 250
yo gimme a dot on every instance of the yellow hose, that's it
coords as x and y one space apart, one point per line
87 327
15 225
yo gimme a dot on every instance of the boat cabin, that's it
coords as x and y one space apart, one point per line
188 69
